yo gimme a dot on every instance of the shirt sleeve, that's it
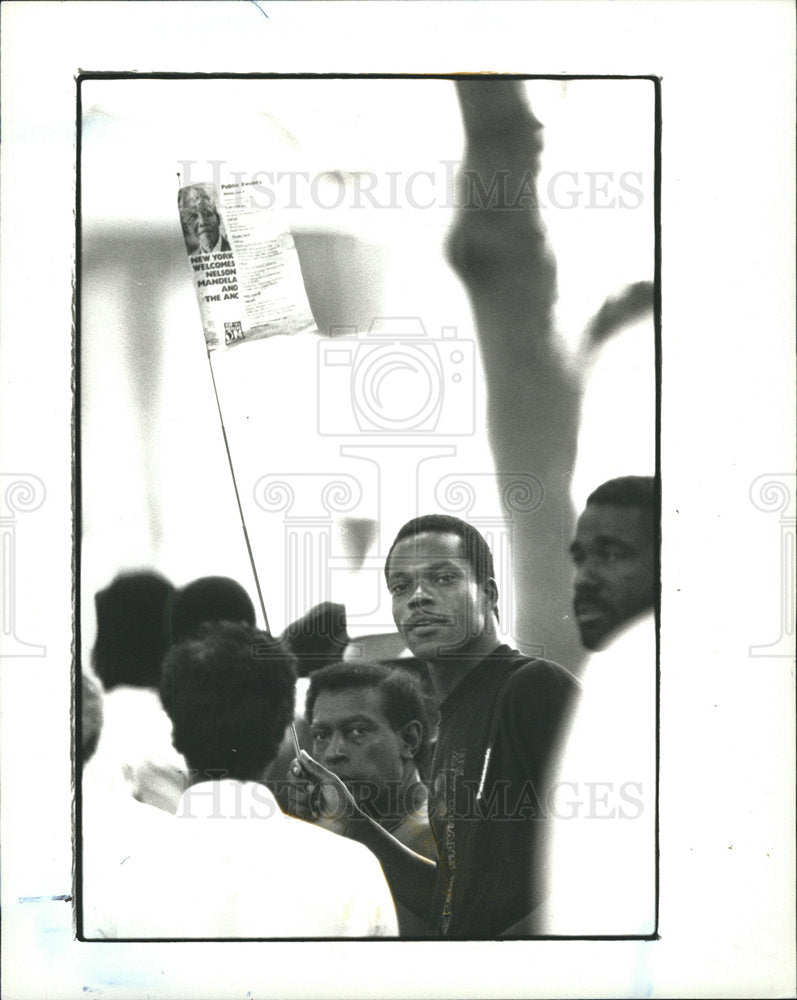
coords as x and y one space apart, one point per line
539 701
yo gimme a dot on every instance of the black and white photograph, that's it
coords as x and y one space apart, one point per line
394 461
443 498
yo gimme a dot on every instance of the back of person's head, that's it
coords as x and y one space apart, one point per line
132 630
229 692
419 669
317 638
91 715
209 599
628 491
401 695
474 547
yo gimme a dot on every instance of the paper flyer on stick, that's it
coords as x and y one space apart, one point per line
246 271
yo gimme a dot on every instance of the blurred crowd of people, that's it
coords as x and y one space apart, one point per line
418 796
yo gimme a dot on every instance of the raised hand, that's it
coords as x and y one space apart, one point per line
316 794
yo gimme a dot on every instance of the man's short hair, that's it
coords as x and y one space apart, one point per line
628 491
476 549
132 630
187 197
230 694
400 692
317 638
209 599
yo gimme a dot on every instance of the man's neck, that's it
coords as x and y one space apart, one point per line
393 808
624 627
448 672
197 777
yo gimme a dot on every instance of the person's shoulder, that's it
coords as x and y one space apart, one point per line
537 692
415 832
537 699
536 672
326 845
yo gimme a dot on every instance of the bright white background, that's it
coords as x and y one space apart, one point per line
727 737
165 499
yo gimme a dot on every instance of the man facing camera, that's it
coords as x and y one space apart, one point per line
369 727
501 720
232 865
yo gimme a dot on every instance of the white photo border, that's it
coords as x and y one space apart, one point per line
727 715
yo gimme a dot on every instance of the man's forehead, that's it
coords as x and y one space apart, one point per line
630 524
196 197
427 547
341 703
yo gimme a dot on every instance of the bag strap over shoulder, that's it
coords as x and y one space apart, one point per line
494 724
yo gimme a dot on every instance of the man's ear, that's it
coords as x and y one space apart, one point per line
411 735
491 590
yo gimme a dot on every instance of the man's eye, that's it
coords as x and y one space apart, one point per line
320 735
356 734
444 578
397 588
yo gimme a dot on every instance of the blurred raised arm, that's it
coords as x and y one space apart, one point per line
498 248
